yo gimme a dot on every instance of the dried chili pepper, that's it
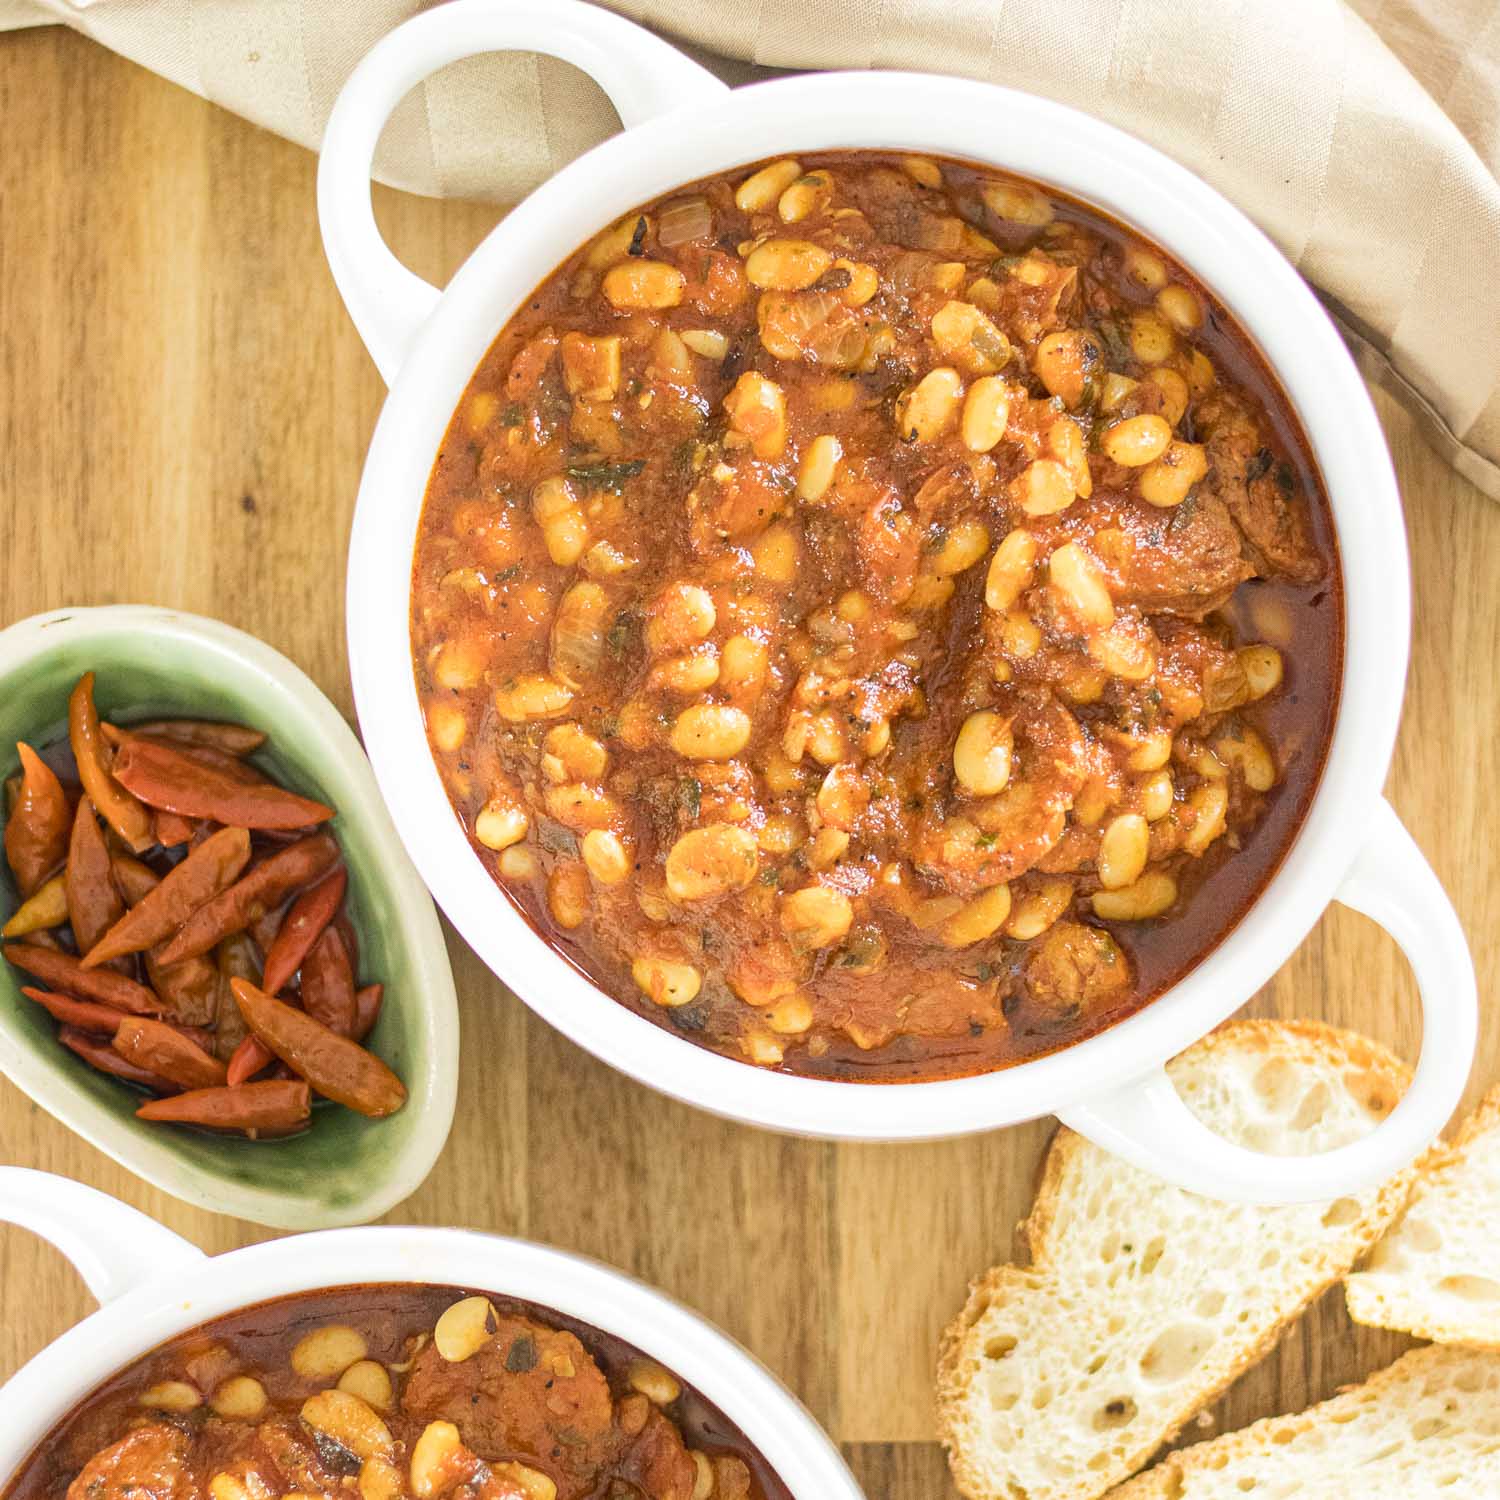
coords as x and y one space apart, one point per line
189 990
208 756
64 972
367 1003
120 810
250 1057
273 1106
302 926
159 1049
328 984
47 906
94 903
36 831
264 928
234 958
336 1067
172 829
166 777
255 893
211 868
86 1015
350 936
233 739
132 878
100 1054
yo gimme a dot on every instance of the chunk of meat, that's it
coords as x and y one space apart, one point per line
1186 561
657 1463
532 1393
734 503
997 838
289 1458
150 1463
1076 968
1258 491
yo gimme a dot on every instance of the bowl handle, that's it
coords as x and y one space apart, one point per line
112 1247
642 75
1147 1124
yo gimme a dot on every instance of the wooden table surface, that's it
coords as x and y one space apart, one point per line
184 408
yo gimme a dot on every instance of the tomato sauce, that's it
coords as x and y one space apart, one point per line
877 618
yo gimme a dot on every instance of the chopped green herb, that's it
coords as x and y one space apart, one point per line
691 794
605 475
1116 345
625 633
521 1356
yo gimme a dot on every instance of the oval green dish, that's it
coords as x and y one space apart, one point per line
344 1169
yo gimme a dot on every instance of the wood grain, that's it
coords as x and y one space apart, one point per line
184 409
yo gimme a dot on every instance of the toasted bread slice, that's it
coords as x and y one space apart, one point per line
1143 1302
1427 1425
1437 1272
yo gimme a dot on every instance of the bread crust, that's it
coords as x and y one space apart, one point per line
1309 1042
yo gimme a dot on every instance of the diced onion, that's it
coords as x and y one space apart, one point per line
686 219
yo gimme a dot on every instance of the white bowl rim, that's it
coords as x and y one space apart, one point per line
1093 162
434 1093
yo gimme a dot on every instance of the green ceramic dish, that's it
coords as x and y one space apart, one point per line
345 1169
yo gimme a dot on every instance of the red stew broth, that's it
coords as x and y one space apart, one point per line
988 1011
395 1322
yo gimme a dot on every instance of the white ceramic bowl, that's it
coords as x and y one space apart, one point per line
154 1286
346 1168
683 124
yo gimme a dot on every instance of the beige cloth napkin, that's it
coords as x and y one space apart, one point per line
1362 135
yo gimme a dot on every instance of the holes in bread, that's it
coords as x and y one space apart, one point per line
1428 1427
1471 1288
1375 1091
999 1346
1276 1084
1313 1107
1421 1235
1115 1414
1003 1395
1209 1304
1245 1483
1175 1351
975 1311
1153 1254
1341 1213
